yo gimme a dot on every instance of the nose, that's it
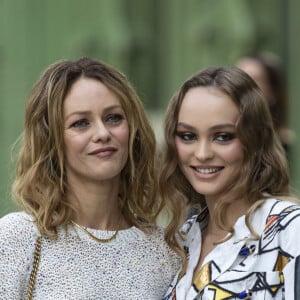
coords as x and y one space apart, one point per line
100 132
204 151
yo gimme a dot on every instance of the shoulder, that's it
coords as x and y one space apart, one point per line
15 218
17 226
155 238
280 209
155 234
156 245
280 225
282 222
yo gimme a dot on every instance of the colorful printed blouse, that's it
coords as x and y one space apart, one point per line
241 268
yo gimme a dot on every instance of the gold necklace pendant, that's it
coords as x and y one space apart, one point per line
96 238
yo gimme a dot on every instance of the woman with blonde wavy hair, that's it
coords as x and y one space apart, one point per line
224 159
85 180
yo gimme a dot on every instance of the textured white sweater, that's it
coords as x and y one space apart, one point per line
135 265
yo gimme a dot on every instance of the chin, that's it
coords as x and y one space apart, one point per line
207 191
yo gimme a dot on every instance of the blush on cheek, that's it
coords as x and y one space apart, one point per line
235 152
182 152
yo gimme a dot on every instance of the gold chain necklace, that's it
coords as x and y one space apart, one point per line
96 238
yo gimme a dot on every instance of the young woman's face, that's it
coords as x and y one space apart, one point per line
96 132
210 154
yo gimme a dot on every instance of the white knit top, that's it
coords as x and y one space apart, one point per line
134 265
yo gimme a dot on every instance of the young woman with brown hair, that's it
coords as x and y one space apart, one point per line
222 154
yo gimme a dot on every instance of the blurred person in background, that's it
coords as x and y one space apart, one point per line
267 71
85 180
222 154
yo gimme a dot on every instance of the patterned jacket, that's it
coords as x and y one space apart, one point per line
241 268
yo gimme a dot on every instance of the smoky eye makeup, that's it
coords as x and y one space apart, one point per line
186 136
225 136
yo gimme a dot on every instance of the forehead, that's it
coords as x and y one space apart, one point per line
88 92
207 106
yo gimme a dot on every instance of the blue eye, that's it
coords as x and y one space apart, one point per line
224 137
186 136
113 118
82 123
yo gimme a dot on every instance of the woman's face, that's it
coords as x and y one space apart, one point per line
96 133
210 153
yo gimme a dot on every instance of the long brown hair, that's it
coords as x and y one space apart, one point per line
40 185
264 171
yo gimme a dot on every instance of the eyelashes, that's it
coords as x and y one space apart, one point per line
225 137
108 120
82 123
186 136
114 118
221 137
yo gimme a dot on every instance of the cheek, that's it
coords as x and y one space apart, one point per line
123 135
67 143
182 150
235 153
73 142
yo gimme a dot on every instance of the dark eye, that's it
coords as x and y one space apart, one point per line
113 118
80 123
187 136
224 137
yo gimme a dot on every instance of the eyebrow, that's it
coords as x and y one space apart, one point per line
88 112
216 127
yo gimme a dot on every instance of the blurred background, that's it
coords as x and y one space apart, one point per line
156 43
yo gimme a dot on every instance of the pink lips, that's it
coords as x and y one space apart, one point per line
102 152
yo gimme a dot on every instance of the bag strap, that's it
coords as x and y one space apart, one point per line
36 260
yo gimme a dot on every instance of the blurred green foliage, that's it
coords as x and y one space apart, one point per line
157 44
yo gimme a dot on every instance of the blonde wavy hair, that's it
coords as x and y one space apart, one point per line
40 184
264 171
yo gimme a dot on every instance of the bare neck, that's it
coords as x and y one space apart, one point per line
233 211
96 204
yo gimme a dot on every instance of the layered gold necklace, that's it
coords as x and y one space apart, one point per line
99 240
